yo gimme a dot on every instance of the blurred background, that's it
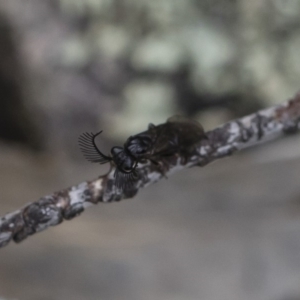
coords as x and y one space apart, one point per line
228 231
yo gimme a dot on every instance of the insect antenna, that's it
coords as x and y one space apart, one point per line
125 180
90 150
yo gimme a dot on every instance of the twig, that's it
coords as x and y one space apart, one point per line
267 124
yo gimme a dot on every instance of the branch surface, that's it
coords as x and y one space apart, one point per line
262 126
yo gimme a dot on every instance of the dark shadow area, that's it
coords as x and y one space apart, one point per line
16 124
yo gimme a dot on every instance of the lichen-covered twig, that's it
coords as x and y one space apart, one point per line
66 204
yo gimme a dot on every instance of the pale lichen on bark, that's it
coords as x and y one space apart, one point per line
233 136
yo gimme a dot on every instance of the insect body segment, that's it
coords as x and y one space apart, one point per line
177 135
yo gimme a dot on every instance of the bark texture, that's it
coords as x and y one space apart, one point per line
262 126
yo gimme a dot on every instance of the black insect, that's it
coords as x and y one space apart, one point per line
177 135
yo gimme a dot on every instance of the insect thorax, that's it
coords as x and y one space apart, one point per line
138 145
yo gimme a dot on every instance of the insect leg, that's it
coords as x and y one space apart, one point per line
162 168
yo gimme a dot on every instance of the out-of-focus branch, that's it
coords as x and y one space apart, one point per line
267 124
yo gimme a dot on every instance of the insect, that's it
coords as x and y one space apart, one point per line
177 135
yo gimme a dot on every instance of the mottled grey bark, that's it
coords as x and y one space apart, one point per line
233 136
